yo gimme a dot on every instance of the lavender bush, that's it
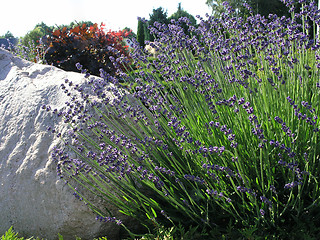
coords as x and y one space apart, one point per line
219 132
32 52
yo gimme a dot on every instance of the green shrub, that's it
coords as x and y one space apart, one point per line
231 141
11 235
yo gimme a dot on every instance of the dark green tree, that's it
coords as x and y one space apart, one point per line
181 13
158 15
74 24
269 7
47 29
140 33
262 7
7 35
146 31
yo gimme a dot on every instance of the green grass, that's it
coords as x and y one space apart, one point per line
179 233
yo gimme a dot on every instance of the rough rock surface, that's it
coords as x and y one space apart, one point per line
32 198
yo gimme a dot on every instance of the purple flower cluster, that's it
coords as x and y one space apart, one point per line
215 194
77 196
293 167
263 199
214 167
257 128
165 214
312 121
292 184
109 219
246 190
282 147
164 170
226 131
194 178
284 128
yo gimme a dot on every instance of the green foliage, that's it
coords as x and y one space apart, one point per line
218 8
11 235
174 233
141 33
7 35
60 237
33 37
33 53
182 13
30 47
224 142
158 15
270 7
45 28
41 30
73 25
261 7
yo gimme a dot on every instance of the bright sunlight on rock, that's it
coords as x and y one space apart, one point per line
32 198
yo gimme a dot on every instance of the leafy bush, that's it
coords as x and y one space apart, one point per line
226 135
11 235
33 37
31 52
89 46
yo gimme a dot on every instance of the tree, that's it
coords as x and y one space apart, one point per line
181 13
33 36
47 30
158 15
74 24
41 30
7 35
261 7
140 33
218 8
270 7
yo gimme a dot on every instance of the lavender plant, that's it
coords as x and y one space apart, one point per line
221 129
31 52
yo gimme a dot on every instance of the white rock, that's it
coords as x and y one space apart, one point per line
32 198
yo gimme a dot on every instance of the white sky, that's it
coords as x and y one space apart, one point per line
21 16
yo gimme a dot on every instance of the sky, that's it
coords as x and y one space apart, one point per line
20 16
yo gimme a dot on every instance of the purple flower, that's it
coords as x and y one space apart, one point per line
241 101
79 66
292 184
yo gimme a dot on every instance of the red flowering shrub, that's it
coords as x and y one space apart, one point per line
92 47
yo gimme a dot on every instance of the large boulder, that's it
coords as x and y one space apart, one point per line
32 198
